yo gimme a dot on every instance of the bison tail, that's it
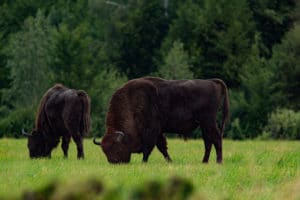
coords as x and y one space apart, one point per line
225 108
85 124
225 103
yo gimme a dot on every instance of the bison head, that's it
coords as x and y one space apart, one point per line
115 147
35 144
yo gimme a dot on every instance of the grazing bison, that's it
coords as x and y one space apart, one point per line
62 113
145 108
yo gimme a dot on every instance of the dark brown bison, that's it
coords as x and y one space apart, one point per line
145 108
62 113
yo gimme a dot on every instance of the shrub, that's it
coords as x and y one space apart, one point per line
241 114
283 124
236 132
11 126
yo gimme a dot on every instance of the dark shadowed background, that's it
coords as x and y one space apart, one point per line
97 45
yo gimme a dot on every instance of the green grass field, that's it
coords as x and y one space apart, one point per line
251 169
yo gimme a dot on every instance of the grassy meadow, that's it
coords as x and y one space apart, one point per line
251 169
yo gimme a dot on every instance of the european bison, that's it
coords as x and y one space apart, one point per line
145 108
62 113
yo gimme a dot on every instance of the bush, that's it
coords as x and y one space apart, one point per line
283 124
236 132
244 121
11 126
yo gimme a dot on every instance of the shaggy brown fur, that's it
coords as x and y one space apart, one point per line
62 113
145 108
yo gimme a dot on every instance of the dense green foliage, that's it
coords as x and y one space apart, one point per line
251 170
283 124
97 45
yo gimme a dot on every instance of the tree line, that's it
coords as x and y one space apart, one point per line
97 45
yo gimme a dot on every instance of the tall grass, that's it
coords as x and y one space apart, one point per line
251 169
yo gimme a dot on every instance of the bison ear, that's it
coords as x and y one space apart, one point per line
120 136
25 133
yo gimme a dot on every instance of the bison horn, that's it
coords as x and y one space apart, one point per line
25 133
120 136
96 143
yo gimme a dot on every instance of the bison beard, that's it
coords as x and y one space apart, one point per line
62 113
144 109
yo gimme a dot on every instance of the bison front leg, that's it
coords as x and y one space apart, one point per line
162 147
148 143
146 152
218 146
65 145
49 145
149 140
79 143
213 136
47 151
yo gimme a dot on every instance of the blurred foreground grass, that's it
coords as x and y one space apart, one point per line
251 169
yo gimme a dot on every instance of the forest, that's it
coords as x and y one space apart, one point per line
98 45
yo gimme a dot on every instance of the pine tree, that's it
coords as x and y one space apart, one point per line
176 64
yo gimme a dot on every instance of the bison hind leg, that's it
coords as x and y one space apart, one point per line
218 147
65 145
212 136
147 149
79 143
